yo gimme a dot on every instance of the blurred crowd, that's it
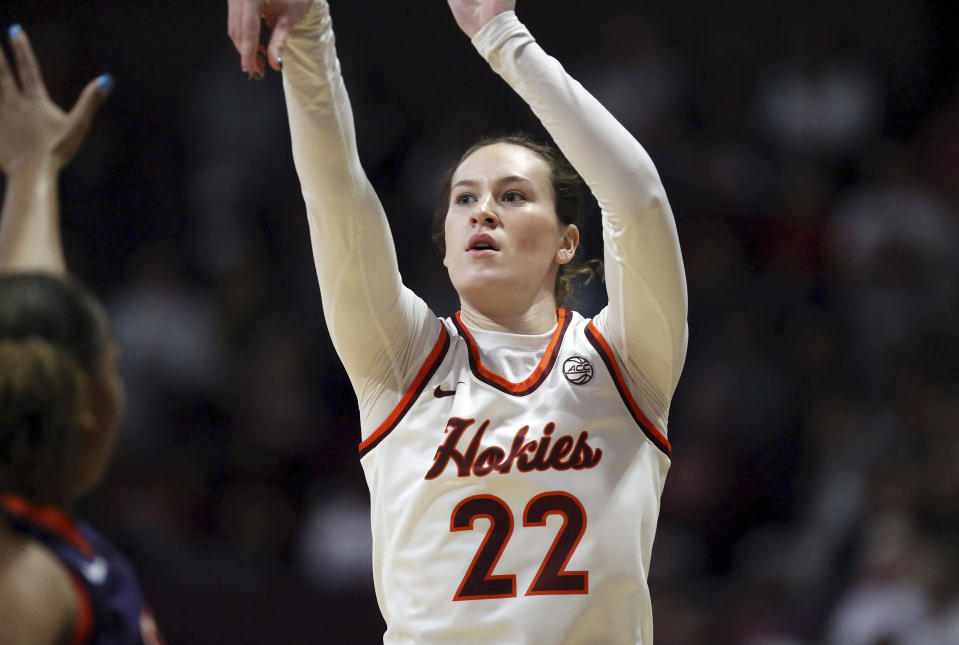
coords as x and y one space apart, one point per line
811 155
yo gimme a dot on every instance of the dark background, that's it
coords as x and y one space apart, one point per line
810 151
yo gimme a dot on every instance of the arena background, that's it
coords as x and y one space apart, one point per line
810 152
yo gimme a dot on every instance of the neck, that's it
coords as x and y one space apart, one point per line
536 319
35 493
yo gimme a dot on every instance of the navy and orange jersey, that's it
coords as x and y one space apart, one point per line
112 607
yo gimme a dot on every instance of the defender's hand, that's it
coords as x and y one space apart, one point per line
471 15
32 127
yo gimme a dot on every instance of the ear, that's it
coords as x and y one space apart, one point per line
568 245
86 418
87 422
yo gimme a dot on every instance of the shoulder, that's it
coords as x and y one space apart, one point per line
37 596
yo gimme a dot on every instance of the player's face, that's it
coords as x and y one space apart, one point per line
504 243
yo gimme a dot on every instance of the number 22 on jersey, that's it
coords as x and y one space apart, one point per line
552 577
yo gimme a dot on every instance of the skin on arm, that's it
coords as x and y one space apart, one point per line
38 603
37 139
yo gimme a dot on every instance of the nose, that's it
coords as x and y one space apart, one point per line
485 212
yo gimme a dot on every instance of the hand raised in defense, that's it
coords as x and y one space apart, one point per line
32 127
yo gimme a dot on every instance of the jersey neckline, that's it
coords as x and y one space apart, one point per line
49 518
539 374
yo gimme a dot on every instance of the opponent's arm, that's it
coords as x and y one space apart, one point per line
646 317
37 139
379 328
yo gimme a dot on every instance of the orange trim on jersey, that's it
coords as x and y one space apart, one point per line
83 629
50 518
422 377
606 352
539 374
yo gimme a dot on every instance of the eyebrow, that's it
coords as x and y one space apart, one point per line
502 180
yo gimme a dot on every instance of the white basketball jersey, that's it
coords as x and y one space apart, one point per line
516 513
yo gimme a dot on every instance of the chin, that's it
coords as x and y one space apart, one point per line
477 288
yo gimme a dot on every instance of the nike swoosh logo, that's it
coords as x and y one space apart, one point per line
439 392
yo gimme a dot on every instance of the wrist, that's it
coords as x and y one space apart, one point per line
31 169
317 17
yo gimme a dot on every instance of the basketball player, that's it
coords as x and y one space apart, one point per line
60 393
515 452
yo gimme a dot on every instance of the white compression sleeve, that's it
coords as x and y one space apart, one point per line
645 320
380 329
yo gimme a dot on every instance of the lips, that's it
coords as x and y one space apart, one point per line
482 242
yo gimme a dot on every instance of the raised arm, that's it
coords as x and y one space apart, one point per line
38 602
37 139
380 330
646 317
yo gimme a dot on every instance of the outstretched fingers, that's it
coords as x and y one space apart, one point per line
8 84
31 81
81 116
91 98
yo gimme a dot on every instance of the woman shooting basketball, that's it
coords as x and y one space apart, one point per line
516 451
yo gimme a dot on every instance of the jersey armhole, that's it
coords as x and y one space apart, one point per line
425 373
83 628
656 436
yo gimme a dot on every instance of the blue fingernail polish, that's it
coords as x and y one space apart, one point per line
15 30
105 83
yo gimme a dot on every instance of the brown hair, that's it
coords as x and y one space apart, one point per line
41 394
53 334
567 188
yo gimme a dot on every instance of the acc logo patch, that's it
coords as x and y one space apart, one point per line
577 370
